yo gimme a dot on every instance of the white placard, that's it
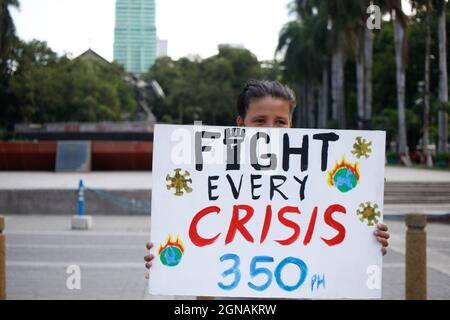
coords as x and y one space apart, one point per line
259 212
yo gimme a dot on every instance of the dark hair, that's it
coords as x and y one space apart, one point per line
257 89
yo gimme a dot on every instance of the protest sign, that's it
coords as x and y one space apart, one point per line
261 212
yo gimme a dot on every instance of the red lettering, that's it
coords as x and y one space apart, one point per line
290 224
238 224
334 224
311 226
193 234
266 226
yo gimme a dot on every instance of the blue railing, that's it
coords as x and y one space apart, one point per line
131 204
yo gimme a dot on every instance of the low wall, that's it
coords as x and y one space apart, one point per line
27 156
106 156
64 202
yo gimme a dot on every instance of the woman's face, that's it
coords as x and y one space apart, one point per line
266 112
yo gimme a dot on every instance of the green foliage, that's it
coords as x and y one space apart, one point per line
442 159
393 157
442 106
46 88
207 89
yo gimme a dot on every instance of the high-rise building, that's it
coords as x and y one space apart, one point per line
161 48
135 35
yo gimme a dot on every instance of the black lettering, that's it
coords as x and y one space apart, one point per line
302 186
233 138
274 187
325 137
199 149
303 152
254 159
212 187
253 177
233 187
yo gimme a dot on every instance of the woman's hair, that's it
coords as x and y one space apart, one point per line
257 89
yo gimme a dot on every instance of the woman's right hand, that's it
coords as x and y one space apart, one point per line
148 258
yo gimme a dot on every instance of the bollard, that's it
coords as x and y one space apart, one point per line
2 260
80 194
81 221
416 257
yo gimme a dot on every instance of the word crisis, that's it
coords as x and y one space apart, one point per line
237 224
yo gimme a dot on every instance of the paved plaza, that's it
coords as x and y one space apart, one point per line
40 248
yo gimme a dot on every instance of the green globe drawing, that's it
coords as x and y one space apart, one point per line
171 256
345 180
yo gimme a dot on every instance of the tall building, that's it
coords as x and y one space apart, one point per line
135 41
162 48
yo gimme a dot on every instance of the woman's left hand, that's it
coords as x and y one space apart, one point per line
382 236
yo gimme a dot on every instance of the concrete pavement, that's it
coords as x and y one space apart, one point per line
40 248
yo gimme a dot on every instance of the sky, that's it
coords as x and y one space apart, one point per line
190 26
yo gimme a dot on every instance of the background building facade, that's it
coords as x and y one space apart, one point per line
135 41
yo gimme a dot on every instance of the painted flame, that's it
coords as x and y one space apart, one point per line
177 243
343 164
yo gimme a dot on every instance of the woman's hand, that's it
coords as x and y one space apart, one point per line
382 236
148 258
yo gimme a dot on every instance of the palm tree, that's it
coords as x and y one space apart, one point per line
303 64
289 43
368 62
7 31
426 109
341 15
337 14
426 7
394 7
443 84
363 60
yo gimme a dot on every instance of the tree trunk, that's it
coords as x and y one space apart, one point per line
426 109
360 77
443 84
400 57
301 105
334 112
338 62
311 105
368 62
322 114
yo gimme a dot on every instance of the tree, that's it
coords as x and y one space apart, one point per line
48 88
401 53
363 62
401 61
426 112
443 79
7 33
302 65
341 17
204 89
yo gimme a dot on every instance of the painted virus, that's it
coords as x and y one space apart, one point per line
361 148
170 254
344 176
179 182
368 213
